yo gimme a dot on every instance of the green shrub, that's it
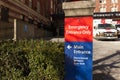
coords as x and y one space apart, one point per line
31 60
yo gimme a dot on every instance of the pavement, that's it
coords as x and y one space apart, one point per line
57 39
106 59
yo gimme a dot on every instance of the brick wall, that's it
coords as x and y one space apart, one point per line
108 5
23 30
6 30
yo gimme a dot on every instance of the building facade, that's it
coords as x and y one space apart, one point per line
36 12
107 6
107 9
33 11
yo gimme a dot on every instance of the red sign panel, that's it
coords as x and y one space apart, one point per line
78 29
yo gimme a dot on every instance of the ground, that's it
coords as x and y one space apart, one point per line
106 60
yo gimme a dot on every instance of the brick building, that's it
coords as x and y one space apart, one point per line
107 9
36 11
47 14
107 6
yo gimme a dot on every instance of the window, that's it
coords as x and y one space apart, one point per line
30 3
4 14
114 9
38 7
102 1
102 9
114 1
105 26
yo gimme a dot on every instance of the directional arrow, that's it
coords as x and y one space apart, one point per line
69 47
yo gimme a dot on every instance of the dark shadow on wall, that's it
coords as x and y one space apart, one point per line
103 68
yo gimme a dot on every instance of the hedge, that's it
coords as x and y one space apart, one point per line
31 60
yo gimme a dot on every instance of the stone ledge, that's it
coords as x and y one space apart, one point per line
78 8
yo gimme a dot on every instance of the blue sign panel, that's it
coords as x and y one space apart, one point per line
78 60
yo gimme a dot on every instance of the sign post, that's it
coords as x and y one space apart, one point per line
78 44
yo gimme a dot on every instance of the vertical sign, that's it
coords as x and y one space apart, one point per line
78 48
